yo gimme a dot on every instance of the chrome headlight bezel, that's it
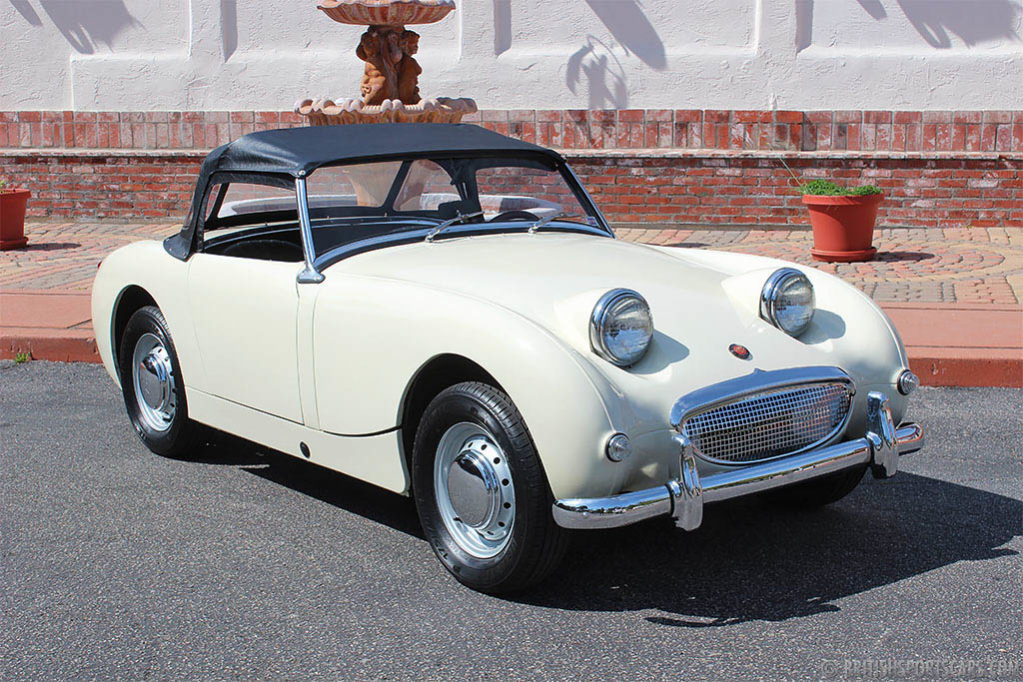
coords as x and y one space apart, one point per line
599 321
773 289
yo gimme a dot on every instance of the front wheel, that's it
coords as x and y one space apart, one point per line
481 493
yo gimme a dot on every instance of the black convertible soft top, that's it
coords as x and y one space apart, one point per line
283 155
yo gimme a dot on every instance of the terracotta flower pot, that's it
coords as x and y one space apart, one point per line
843 226
12 218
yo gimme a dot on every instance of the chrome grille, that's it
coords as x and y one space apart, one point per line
770 424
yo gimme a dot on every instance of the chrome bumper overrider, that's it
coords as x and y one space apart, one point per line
683 498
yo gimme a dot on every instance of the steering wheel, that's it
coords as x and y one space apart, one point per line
513 215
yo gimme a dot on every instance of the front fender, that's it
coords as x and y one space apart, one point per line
372 335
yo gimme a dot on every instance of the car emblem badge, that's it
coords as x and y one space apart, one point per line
741 352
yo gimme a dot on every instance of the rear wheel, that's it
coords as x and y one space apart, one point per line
482 496
821 491
152 386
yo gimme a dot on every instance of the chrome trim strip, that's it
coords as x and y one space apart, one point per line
758 381
684 498
309 274
611 512
820 462
910 437
413 236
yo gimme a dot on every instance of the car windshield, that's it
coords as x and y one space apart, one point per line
352 203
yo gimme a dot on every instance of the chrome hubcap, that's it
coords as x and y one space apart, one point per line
475 491
153 379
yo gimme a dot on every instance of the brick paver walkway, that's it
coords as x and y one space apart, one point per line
913 265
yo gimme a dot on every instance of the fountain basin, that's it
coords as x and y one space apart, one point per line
386 12
321 112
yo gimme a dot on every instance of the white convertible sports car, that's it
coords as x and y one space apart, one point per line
444 312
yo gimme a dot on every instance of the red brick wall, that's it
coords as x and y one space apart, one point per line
718 190
99 186
700 166
897 131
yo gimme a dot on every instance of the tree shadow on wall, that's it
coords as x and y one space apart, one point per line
502 26
630 27
974 21
85 24
26 11
603 73
596 62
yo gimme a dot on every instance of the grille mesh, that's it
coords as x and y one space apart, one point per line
766 425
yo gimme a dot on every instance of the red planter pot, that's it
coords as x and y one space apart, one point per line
843 227
12 218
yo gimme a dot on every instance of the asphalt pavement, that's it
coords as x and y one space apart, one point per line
241 563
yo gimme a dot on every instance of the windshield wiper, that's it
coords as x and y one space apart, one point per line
451 221
543 221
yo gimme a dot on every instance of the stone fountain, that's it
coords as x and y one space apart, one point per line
390 81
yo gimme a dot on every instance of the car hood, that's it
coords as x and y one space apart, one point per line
701 302
553 278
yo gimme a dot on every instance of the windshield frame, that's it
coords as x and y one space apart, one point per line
317 262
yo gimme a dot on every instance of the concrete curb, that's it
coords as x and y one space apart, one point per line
978 371
49 344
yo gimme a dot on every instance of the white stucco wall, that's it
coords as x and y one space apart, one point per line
125 55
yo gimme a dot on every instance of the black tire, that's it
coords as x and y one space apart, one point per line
181 435
822 491
536 544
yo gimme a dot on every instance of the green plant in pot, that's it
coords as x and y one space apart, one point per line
12 216
842 219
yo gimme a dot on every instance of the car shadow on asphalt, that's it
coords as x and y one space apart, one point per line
339 490
751 560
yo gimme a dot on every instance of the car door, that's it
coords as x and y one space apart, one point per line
245 313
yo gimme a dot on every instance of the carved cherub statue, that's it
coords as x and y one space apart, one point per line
409 69
381 50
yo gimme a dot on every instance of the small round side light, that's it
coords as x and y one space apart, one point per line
618 447
908 382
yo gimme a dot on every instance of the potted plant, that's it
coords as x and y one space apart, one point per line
12 217
842 219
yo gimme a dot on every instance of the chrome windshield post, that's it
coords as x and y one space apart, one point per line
309 274
588 202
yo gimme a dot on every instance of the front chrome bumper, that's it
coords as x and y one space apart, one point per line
683 498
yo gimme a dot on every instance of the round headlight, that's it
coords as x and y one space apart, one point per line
621 327
787 301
